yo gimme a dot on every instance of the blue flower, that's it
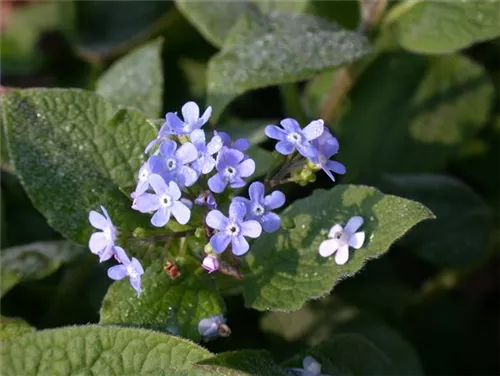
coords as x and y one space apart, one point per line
259 207
231 168
206 198
133 269
152 166
327 146
209 327
292 137
205 163
233 229
192 120
240 144
175 163
165 201
102 243
311 368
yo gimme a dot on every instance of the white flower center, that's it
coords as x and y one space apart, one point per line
165 200
258 209
233 229
131 271
294 137
230 172
171 164
144 174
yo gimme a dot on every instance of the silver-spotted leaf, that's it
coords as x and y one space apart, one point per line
284 269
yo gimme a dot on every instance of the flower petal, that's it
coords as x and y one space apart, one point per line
313 130
146 203
176 124
220 241
216 220
311 366
197 137
275 200
117 272
241 144
307 150
290 125
107 253
187 176
158 184
161 217
97 220
256 192
151 144
342 255
240 245
98 242
328 247
206 115
181 212
142 186
237 182
121 255
173 190
207 164
353 224
270 222
334 230
237 211
336 167
246 168
328 173
190 112
167 148
186 153
136 284
217 183
274 132
252 229
356 240
285 147
137 266
214 145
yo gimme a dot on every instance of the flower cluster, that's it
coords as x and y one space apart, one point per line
188 167
102 243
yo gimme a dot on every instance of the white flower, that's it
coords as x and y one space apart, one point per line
343 238
311 368
210 327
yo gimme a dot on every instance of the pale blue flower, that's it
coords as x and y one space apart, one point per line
240 144
101 243
259 206
153 165
231 168
128 268
164 202
205 162
291 137
209 327
175 163
232 230
191 113
327 146
343 238
311 368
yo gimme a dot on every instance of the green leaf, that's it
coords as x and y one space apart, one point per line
99 350
461 232
25 27
12 328
34 261
213 19
243 363
346 354
284 269
174 306
136 80
438 27
106 29
264 160
275 49
72 152
406 105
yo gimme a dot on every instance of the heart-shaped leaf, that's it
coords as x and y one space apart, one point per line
99 350
284 269
72 152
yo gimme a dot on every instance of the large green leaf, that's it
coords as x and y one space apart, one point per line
408 113
213 19
284 269
136 80
276 49
99 350
346 354
461 232
174 306
12 328
108 28
242 363
34 261
437 27
72 152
